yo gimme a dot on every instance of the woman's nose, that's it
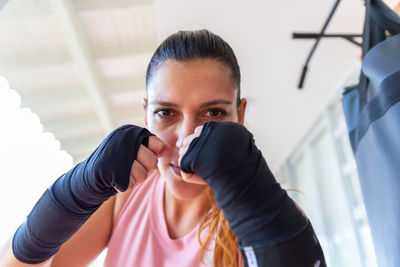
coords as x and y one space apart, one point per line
185 129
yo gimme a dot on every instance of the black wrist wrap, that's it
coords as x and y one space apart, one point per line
74 196
258 210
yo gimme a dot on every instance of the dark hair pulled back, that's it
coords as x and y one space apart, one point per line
191 45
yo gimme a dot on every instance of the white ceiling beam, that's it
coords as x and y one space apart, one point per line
70 108
12 65
84 5
25 10
80 149
40 98
56 126
80 51
79 131
135 81
129 50
15 65
29 10
135 118
2 3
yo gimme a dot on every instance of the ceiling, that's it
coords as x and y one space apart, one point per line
80 64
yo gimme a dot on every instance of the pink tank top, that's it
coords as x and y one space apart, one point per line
140 236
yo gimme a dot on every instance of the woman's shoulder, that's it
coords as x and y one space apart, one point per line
122 198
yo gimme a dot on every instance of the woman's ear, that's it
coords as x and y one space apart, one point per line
242 110
144 104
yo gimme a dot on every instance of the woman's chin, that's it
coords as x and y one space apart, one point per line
178 187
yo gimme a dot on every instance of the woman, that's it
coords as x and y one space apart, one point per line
170 216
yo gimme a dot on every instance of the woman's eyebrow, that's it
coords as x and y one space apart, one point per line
162 103
216 102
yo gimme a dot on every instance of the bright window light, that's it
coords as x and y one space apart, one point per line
30 160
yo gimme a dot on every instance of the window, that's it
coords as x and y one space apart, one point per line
324 170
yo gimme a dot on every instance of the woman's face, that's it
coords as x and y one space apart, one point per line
182 96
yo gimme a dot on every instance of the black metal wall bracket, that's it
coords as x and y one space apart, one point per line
348 37
318 37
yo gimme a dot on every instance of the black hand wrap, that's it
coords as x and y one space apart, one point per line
260 213
70 201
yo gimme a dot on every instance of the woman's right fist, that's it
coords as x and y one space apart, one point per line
124 158
128 153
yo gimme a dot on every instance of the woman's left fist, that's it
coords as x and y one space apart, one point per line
190 177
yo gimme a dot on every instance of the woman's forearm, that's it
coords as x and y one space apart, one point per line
266 221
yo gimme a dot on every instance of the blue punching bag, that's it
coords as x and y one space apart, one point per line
372 111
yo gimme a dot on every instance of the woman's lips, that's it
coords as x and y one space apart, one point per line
176 170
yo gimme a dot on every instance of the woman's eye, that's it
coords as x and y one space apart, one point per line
163 113
215 113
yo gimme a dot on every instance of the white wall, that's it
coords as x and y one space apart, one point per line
260 34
